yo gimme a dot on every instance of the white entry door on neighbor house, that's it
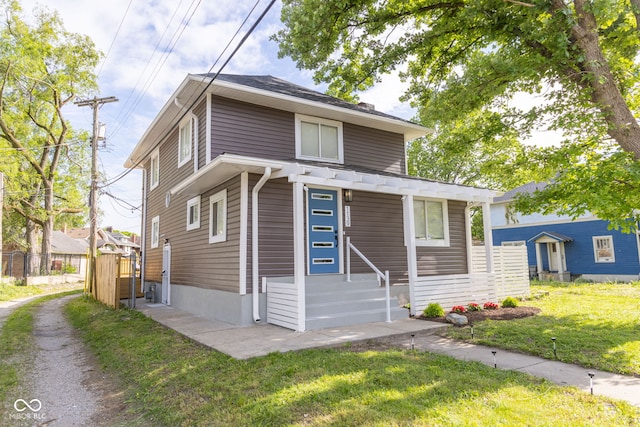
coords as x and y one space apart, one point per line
322 220
166 274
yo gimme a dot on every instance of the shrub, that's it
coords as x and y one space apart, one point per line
490 306
458 309
433 310
510 302
474 306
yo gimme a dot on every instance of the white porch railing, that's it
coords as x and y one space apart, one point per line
509 278
381 275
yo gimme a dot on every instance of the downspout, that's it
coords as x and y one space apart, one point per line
255 261
143 232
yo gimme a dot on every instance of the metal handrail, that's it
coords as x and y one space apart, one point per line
379 273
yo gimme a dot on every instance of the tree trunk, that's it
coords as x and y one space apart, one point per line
47 230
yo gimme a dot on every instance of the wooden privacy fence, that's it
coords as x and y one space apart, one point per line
509 278
114 279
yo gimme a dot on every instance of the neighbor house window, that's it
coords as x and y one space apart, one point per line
218 217
155 169
155 231
514 243
184 145
603 249
431 222
193 213
318 139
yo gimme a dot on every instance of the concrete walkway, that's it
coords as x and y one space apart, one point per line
259 340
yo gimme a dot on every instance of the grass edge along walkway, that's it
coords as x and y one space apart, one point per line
178 382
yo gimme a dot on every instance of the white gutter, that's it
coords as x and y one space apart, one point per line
255 261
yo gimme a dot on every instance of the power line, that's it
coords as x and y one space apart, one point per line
114 38
212 79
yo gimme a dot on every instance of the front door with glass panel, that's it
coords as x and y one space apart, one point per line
324 253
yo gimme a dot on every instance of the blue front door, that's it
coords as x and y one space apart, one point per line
324 250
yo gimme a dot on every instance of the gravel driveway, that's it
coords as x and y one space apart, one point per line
66 386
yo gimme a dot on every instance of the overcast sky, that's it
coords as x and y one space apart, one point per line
150 46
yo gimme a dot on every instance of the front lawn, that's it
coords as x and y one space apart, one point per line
595 325
175 381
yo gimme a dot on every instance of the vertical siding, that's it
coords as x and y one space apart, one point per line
451 260
251 130
373 148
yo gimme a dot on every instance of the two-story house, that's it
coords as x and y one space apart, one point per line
252 188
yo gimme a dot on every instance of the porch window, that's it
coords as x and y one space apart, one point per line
155 231
431 222
184 145
218 217
193 213
603 249
155 169
318 139
514 243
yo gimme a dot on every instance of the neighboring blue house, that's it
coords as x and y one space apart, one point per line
562 248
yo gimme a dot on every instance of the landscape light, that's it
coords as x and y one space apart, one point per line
495 365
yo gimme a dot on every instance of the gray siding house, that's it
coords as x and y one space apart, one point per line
259 195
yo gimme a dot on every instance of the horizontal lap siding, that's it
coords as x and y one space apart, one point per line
452 259
373 148
201 112
276 229
377 231
251 130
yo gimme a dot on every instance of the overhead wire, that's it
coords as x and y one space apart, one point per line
126 112
169 128
114 38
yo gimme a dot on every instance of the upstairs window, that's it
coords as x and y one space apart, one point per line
431 222
155 169
193 213
319 139
184 143
603 249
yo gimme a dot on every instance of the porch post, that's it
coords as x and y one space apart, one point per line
410 242
559 259
538 260
469 238
298 251
488 236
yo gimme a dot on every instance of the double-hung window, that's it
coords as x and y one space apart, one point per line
154 172
184 143
603 249
193 213
431 220
319 139
155 231
218 217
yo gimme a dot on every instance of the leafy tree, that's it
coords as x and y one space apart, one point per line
467 60
42 68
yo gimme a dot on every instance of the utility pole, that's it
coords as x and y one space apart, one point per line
95 105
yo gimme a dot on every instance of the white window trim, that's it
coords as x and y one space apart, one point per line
302 118
155 155
155 232
610 260
514 243
220 196
445 224
193 202
187 158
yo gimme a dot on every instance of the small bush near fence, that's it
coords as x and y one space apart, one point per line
433 310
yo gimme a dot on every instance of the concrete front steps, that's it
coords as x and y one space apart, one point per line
331 301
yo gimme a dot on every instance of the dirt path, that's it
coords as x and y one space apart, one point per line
70 388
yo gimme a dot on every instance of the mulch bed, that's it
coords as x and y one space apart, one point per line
498 314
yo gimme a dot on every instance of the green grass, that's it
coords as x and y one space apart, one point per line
175 381
16 349
595 325
11 292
